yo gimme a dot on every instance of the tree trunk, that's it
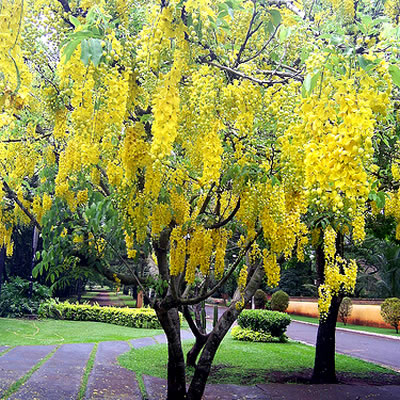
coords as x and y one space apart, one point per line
324 365
201 339
169 319
35 241
2 266
216 336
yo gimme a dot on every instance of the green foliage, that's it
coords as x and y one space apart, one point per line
279 301
248 335
345 309
14 300
390 311
260 299
271 322
134 318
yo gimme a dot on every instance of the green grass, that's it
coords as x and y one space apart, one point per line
372 329
16 385
88 369
246 363
16 332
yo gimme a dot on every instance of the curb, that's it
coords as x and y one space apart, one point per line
353 331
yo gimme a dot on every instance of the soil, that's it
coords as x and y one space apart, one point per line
252 376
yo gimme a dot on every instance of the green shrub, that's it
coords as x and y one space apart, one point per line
279 301
14 300
131 317
345 309
271 322
260 299
247 334
390 311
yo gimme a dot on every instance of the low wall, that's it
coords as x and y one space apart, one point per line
362 314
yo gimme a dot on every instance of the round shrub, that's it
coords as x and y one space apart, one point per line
271 322
345 309
260 298
279 301
390 311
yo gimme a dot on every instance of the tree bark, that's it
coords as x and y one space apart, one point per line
216 336
201 339
324 365
2 266
169 319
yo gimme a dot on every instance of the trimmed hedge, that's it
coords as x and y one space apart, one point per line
247 334
131 317
270 322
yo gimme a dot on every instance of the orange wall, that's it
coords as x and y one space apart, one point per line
362 314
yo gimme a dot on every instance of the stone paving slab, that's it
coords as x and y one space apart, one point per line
279 391
185 335
60 377
160 338
142 342
2 348
18 362
156 389
107 379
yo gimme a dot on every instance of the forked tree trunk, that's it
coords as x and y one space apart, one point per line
324 365
200 339
169 319
216 336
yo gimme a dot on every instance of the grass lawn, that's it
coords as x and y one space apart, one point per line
16 332
247 363
383 331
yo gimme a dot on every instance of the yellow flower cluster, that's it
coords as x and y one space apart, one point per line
392 208
242 282
129 242
220 238
392 9
177 252
340 274
343 8
271 267
160 218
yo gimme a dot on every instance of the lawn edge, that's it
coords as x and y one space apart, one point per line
353 331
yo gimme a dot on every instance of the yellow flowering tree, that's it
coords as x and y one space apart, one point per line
203 126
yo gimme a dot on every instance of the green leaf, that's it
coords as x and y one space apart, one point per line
380 199
283 33
70 48
394 71
96 51
310 82
85 52
74 21
275 17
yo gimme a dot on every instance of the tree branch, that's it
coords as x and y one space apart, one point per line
13 196
228 219
205 296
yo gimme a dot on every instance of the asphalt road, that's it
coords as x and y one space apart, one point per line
376 349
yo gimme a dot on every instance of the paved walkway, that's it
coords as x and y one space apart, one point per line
58 374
